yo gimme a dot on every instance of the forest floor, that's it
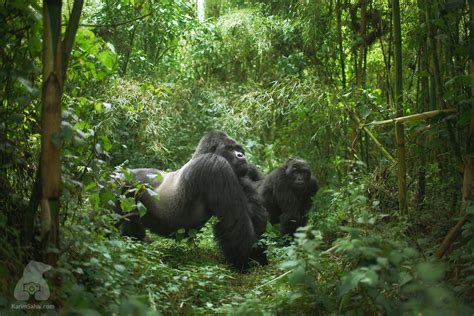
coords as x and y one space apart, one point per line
186 277
207 285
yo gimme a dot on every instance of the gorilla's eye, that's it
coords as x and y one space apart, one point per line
239 154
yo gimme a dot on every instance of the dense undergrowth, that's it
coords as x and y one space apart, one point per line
350 259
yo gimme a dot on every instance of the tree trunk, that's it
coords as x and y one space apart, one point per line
50 127
200 10
341 47
362 46
54 71
423 106
129 51
398 100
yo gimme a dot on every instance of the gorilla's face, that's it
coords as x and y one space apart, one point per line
235 155
223 145
298 173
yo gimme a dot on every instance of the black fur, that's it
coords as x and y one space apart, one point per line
212 183
254 174
287 193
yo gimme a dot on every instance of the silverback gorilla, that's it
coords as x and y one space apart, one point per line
287 193
213 182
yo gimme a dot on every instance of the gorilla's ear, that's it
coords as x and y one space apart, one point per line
287 166
289 161
219 147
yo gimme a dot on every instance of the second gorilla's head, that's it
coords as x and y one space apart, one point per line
298 173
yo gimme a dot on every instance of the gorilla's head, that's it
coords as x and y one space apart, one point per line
298 173
220 143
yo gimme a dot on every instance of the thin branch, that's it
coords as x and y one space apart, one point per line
374 139
414 117
450 237
274 279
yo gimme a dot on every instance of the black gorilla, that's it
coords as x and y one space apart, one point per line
213 182
287 193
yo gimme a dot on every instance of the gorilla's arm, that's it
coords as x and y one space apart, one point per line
130 224
151 176
313 186
258 215
266 190
311 191
295 207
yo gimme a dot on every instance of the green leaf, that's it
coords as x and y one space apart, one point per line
470 209
119 267
127 204
106 143
289 264
78 270
94 200
383 262
127 175
297 276
430 272
105 197
350 281
159 177
371 278
141 209
439 296
107 58
98 107
294 296
25 83
91 185
66 133
364 111
404 278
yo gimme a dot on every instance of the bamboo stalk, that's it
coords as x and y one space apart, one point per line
398 100
414 117
380 146
50 164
